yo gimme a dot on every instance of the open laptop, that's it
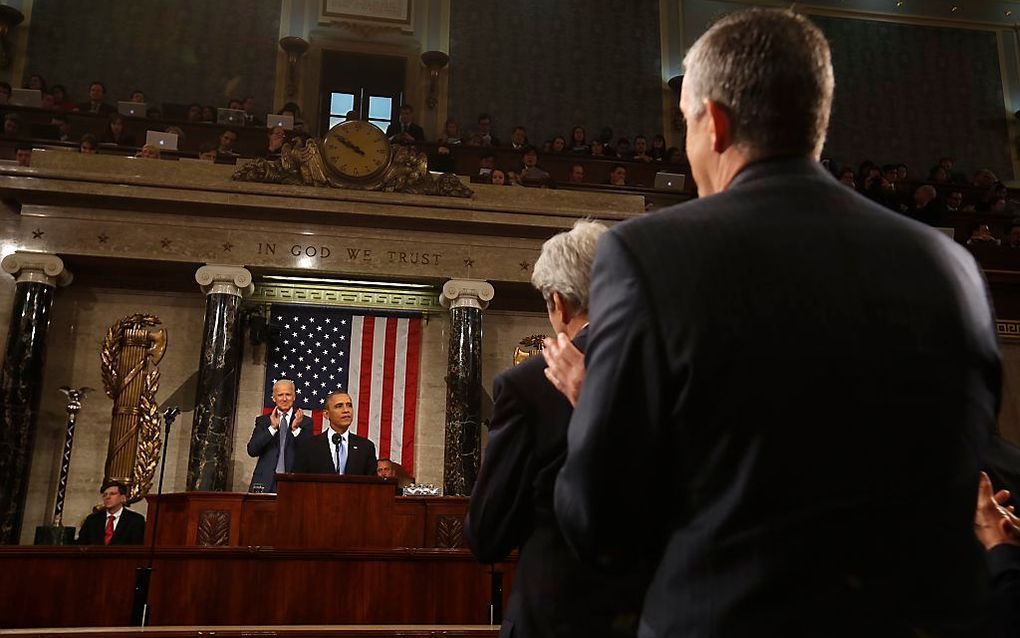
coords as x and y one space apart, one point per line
162 141
286 121
26 97
670 181
131 109
234 117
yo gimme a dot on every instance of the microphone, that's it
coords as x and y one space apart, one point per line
169 414
337 437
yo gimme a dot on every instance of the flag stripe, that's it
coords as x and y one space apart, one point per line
378 363
411 394
396 442
365 383
385 399
353 386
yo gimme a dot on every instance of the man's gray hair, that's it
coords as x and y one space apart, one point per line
565 264
293 386
771 69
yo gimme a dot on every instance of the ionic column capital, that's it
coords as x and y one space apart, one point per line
467 293
40 268
225 279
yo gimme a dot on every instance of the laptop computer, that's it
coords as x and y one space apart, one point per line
131 109
162 141
670 181
26 97
234 117
286 121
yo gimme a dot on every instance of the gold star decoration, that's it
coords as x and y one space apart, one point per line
525 265
165 242
227 246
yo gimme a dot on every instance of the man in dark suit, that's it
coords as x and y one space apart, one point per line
784 349
337 450
511 505
281 427
404 130
97 101
115 524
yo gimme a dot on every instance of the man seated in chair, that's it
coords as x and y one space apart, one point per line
114 524
337 450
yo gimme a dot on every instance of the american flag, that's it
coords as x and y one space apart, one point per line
372 357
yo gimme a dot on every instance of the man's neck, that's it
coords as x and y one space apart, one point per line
115 511
339 430
576 324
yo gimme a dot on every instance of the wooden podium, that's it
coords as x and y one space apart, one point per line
315 511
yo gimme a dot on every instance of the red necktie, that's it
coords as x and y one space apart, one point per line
108 536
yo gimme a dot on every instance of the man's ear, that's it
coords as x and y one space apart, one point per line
561 309
721 126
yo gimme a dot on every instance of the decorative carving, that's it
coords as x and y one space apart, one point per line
449 532
73 407
347 296
467 293
301 163
40 268
224 279
130 374
528 347
214 528
366 30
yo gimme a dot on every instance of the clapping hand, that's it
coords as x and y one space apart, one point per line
295 423
995 523
274 418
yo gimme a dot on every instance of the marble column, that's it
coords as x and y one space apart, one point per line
219 371
37 276
466 298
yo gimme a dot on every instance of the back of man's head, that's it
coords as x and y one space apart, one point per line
565 264
771 70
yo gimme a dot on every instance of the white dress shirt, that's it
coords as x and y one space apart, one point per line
332 446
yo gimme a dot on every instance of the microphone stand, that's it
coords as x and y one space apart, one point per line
143 575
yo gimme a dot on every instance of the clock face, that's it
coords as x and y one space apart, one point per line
356 150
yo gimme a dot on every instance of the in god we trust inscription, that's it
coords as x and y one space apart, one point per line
348 254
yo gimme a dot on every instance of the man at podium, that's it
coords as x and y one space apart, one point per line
337 450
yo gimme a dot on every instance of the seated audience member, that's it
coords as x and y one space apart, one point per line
138 97
1013 235
451 133
149 151
63 126
97 101
48 104
337 450
226 148
658 150
618 176
114 524
497 177
485 164
996 192
5 93
998 206
846 176
938 175
927 209
60 101
674 155
606 136
954 201
293 110
890 174
235 104
547 146
518 138
483 136
194 112
881 192
576 174
209 114
596 148
641 149
281 429
250 117
578 141
984 178
179 132
531 173
277 137
115 133
207 152
386 468
902 173
88 144
998 530
404 130
948 164
12 125
559 144
36 82
981 235
23 154
153 114
623 150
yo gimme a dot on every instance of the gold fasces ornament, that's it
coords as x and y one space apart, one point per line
528 347
354 155
131 352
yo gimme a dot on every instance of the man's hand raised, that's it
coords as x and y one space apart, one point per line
565 366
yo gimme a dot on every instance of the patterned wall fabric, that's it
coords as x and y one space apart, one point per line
551 65
912 94
176 51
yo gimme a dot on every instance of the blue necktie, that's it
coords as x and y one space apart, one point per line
341 453
281 461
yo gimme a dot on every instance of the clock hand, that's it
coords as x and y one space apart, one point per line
354 147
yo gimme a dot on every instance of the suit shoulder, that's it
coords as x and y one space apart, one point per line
360 439
134 515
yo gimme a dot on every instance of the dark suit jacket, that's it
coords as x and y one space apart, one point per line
315 455
266 446
417 132
770 370
104 108
129 531
512 507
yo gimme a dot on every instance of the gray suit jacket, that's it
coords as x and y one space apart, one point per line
775 373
